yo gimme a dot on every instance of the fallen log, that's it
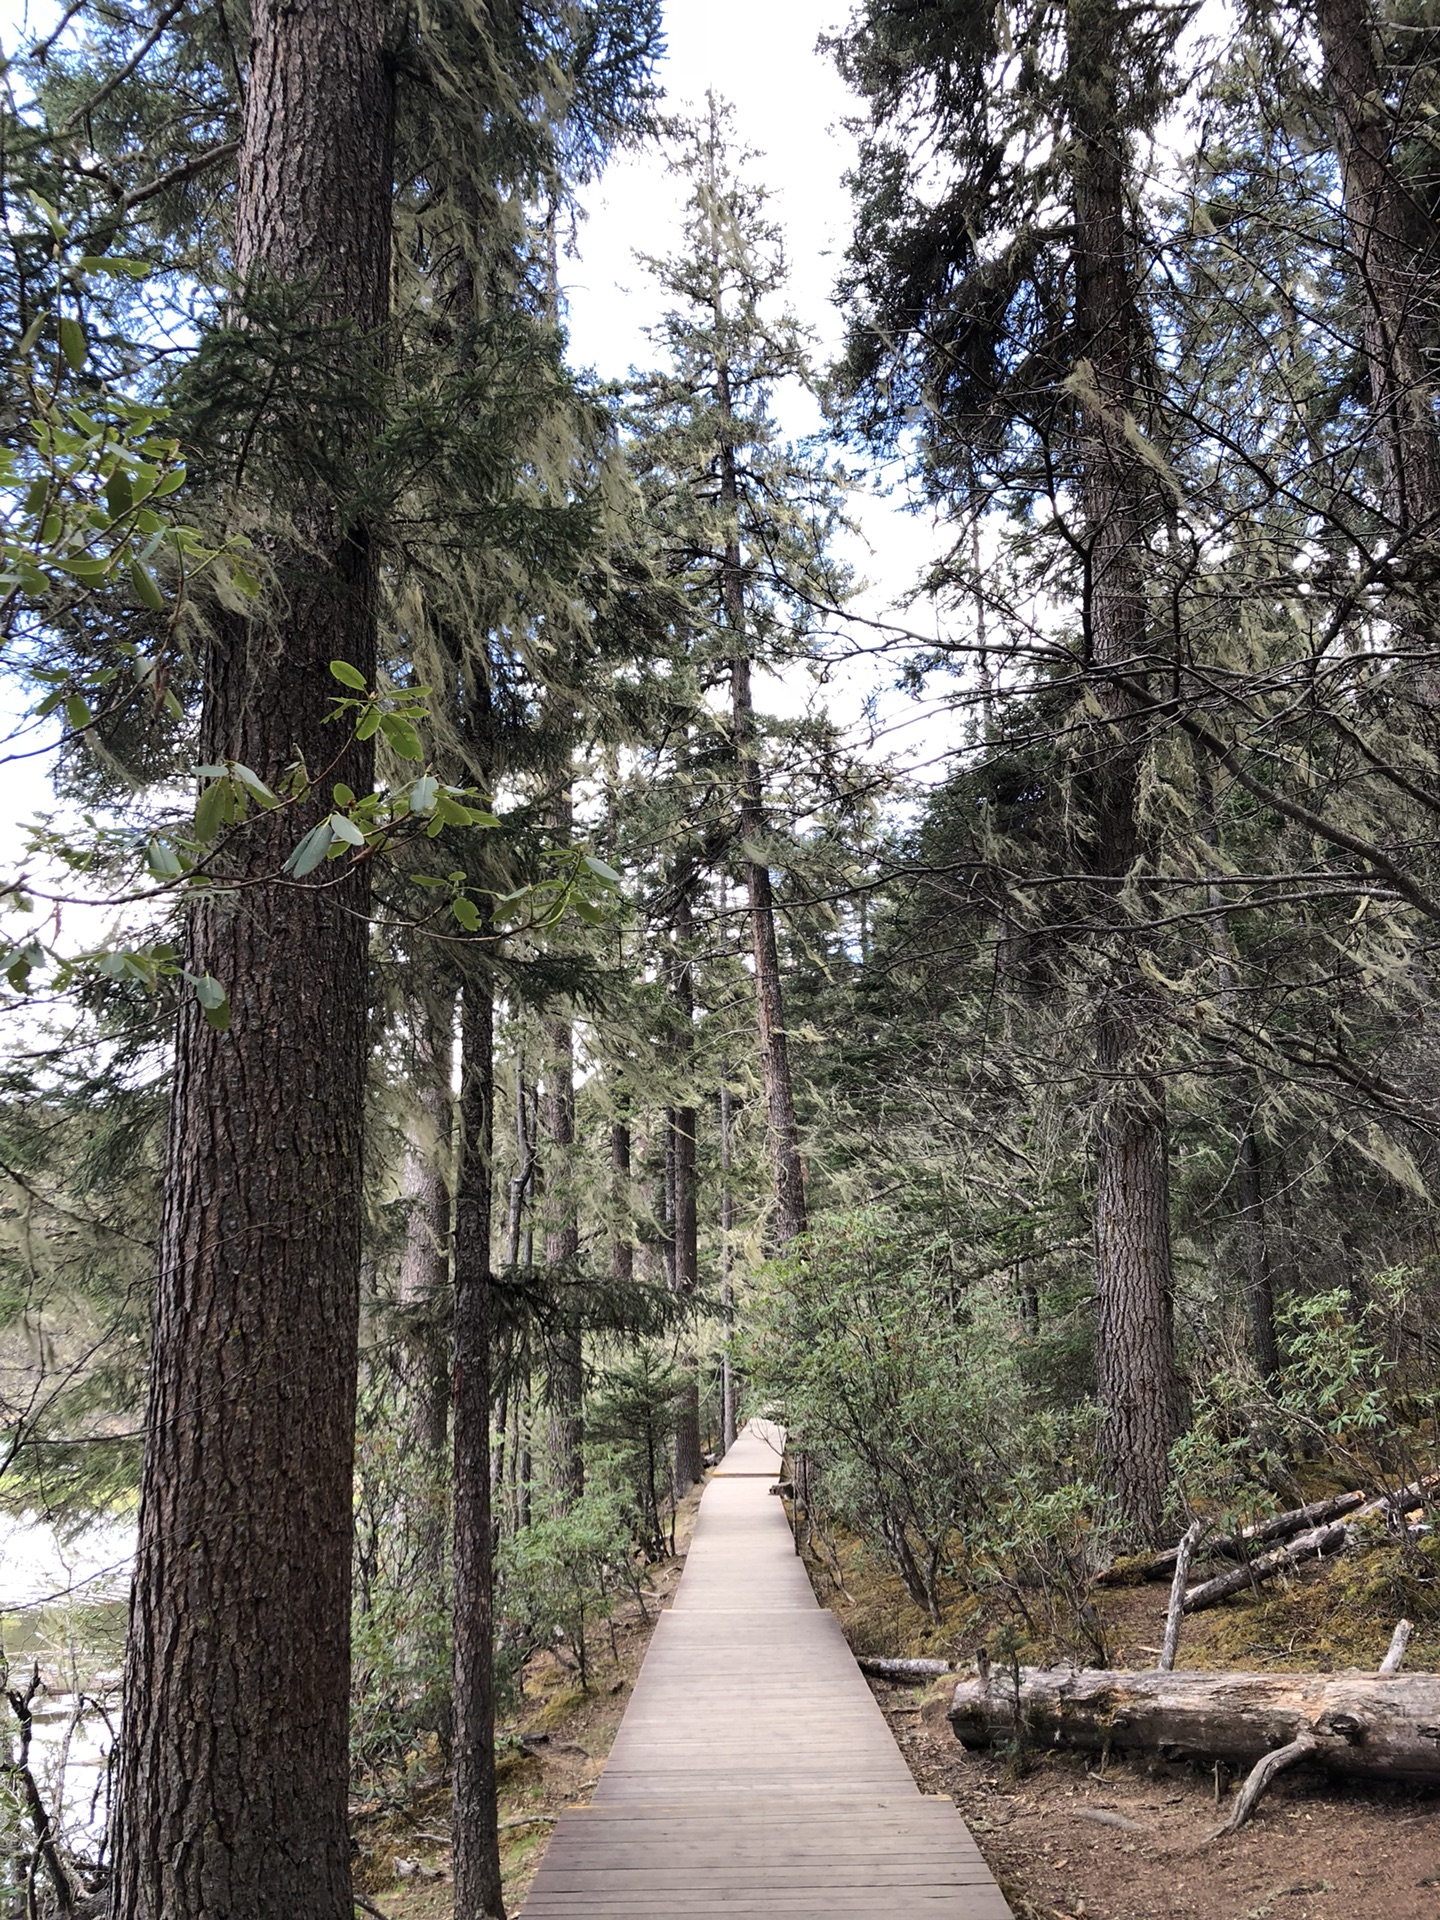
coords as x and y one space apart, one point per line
1279 1759
1307 1546
1315 1543
903 1672
1366 1725
1235 1546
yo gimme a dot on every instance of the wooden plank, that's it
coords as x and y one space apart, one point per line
753 1773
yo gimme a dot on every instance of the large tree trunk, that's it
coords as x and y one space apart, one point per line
477 1857
1135 1349
566 1386
1362 1724
234 1750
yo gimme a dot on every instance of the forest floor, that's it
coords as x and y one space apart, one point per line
552 1746
1067 1843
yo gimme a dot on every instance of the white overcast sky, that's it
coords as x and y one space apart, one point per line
789 105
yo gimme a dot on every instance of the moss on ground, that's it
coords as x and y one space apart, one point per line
1328 1615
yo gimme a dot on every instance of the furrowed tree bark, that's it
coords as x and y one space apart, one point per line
478 1893
1363 1725
1135 1346
234 1749
566 1386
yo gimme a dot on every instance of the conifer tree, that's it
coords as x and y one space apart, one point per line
1002 333
745 523
235 1757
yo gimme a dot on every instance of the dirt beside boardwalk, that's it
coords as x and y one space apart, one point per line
1315 1851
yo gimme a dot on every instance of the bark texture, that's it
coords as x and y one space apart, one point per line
234 1750
476 1850
1135 1351
1382 1729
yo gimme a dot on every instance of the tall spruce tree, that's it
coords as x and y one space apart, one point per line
745 525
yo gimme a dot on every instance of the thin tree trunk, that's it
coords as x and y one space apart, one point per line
686 1274
667 1199
1135 1352
234 1750
499 1455
727 1285
1255 1250
622 1245
787 1169
1259 1287
424 1257
424 1327
562 1248
522 1179
476 1846
786 1165
525 1455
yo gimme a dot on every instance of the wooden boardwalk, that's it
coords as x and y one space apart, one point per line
753 1774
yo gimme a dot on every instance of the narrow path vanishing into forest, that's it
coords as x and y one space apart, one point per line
753 1773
